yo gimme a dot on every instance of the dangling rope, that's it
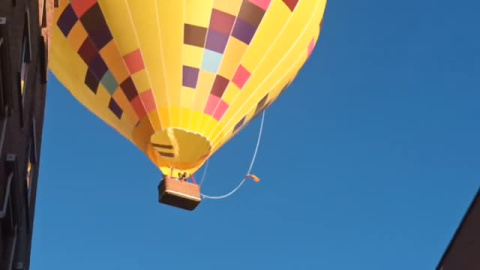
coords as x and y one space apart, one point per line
260 132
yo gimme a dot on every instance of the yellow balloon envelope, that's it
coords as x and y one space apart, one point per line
178 78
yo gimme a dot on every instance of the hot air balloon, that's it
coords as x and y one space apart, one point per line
179 79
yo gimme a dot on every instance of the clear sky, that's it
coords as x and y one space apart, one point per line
384 164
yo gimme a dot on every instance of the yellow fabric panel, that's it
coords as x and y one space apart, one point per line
233 54
192 56
102 97
122 27
185 116
77 36
218 136
114 61
197 12
230 94
171 20
175 113
164 116
203 119
144 22
273 34
188 95
154 119
147 22
205 82
141 81
228 6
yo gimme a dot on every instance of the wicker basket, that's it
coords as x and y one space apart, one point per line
178 193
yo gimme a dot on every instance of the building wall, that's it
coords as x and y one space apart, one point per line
463 253
23 78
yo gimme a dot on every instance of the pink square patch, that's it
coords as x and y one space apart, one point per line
241 77
82 6
138 107
211 104
134 61
221 109
263 4
148 101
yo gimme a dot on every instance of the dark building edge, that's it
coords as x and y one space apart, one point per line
450 257
24 46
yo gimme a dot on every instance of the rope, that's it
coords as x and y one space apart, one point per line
254 158
193 179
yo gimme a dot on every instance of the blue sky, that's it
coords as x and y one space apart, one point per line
385 118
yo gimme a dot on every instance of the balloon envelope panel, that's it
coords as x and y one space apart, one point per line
180 78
